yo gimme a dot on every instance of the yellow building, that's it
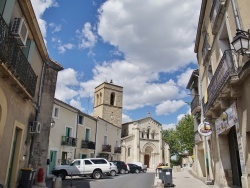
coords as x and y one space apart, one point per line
27 86
223 83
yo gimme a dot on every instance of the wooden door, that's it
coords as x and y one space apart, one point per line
146 160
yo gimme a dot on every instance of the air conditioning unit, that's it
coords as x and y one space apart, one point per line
35 127
20 31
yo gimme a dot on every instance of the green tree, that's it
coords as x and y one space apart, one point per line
181 139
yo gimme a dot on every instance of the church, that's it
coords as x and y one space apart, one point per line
141 140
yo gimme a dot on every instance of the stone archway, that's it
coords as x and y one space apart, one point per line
148 156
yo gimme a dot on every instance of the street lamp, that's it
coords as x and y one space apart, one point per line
52 123
241 42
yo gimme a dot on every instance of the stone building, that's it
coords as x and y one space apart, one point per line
142 142
224 92
27 86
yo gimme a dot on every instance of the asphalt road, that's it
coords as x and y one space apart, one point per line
141 180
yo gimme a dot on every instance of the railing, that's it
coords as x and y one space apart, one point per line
69 141
118 150
206 48
220 78
14 59
195 102
88 144
215 12
106 148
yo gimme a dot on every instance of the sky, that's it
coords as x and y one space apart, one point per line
145 46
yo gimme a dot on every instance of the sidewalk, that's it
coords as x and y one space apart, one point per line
184 179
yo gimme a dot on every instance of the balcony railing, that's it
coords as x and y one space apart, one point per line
106 148
221 76
216 14
118 150
14 59
88 144
195 103
69 141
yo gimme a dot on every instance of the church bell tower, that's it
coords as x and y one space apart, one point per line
108 103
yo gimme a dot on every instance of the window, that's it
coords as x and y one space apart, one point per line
87 134
100 102
105 140
153 135
56 112
68 132
75 163
99 161
2 5
116 144
80 119
129 150
112 99
142 134
87 162
106 127
97 99
148 133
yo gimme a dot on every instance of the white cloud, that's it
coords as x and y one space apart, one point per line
86 36
126 118
56 28
77 104
180 116
184 78
62 47
158 36
168 126
67 85
167 107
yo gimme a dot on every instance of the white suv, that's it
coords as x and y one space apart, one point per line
95 167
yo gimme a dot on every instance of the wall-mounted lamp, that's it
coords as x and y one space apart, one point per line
52 123
241 42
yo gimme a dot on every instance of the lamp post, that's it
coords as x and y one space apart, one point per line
241 42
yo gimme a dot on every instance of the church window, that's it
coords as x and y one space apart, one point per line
97 99
142 134
148 133
100 98
112 99
129 150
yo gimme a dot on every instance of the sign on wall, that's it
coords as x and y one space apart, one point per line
205 129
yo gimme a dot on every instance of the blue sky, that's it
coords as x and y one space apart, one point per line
145 46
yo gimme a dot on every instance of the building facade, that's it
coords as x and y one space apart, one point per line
72 136
27 86
142 142
224 89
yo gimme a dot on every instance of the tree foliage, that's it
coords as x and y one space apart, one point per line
181 139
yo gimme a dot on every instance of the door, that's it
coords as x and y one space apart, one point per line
64 158
146 160
52 161
75 167
234 156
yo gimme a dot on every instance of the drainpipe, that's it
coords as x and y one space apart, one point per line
37 112
236 15
96 129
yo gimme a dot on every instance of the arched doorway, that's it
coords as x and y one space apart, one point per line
147 156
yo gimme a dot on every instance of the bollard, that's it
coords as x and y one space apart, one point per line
40 175
57 183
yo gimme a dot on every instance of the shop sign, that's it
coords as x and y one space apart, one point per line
227 119
205 129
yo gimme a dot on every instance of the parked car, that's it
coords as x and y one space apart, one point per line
95 167
134 168
122 167
114 169
143 166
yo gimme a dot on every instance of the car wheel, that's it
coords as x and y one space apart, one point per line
136 171
97 174
122 171
112 173
62 174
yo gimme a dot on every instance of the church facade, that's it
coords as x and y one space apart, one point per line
142 142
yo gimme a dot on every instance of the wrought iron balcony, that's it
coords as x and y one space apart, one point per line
195 103
221 76
216 14
14 61
69 141
106 148
88 144
118 150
